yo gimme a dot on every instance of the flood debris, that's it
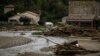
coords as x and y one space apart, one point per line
27 54
33 54
71 49
22 33
67 30
96 38
58 31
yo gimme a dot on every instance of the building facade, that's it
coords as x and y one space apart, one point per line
34 18
82 13
8 8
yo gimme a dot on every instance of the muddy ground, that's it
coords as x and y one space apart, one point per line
87 43
40 42
7 42
84 42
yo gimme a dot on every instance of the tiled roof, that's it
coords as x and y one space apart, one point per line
28 14
83 0
80 17
16 17
76 17
32 13
9 6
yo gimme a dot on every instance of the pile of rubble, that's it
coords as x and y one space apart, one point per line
31 54
18 28
69 29
96 37
58 31
85 32
71 48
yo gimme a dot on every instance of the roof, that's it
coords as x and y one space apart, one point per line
76 17
9 6
83 0
26 14
29 12
16 17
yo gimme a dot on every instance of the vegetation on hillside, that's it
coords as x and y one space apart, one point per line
50 10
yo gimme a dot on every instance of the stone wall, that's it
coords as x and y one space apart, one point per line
84 7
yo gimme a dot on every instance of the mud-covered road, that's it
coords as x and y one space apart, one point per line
38 43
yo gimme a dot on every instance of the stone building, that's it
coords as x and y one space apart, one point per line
33 17
83 13
8 8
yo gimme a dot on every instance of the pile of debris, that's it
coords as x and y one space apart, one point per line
17 28
85 32
31 54
96 37
69 29
71 48
58 31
